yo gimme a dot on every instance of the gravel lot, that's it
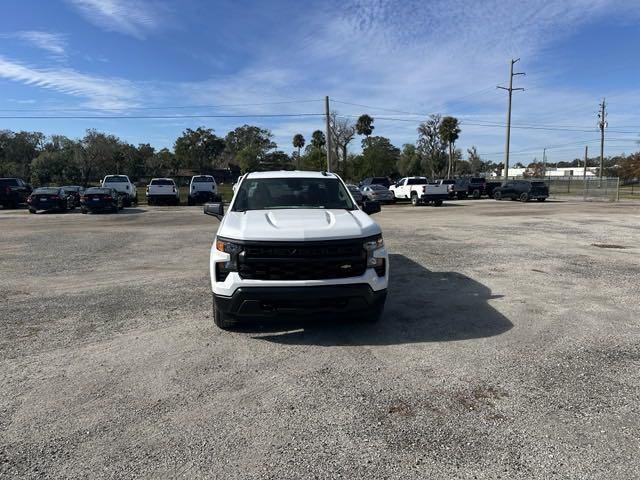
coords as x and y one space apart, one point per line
510 348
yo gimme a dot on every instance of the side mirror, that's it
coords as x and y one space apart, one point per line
371 207
214 209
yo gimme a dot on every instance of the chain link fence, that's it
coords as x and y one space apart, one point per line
585 188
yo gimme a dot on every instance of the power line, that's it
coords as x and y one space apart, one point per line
167 107
156 117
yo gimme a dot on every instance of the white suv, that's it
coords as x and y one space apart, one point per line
296 242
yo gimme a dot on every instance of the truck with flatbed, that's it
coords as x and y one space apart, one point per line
420 191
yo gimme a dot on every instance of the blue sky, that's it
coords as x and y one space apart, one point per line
132 58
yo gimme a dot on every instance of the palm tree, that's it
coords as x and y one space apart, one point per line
364 125
449 131
318 140
298 142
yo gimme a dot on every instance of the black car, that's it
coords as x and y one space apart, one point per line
384 181
13 192
355 193
523 190
458 187
99 199
76 192
50 199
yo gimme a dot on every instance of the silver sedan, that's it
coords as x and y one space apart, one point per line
378 193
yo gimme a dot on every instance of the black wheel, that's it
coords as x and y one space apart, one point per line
524 197
541 199
84 210
31 210
414 200
497 195
476 194
437 203
221 319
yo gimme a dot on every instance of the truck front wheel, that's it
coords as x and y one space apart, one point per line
415 201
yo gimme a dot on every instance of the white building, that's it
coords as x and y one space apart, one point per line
554 172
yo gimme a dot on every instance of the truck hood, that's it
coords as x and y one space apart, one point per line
297 225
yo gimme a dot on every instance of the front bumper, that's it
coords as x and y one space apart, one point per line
270 301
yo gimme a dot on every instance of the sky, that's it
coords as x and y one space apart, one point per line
221 64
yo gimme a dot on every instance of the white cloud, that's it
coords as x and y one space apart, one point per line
53 43
131 17
99 92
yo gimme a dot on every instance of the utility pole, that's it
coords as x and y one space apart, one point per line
544 162
510 90
326 112
602 124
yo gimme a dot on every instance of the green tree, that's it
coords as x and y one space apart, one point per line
409 162
449 131
17 150
364 125
249 158
318 139
276 160
379 156
94 155
314 158
199 149
630 167
158 164
475 162
250 139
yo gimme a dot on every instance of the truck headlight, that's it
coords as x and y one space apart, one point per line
228 247
372 244
223 268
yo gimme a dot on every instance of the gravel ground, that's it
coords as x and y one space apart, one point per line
509 348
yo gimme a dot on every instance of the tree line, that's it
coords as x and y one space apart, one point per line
58 159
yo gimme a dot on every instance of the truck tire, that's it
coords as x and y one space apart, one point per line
497 195
31 210
415 201
437 203
524 197
221 319
476 194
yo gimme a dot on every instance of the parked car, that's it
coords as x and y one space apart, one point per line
477 187
163 191
377 193
13 192
123 186
490 187
384 181
50 199
76 192
202 188
355 193
523 190
296 243
98 199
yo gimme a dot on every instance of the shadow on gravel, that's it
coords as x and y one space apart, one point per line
422 306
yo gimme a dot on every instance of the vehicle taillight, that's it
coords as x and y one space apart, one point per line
174 189
55 197
29 199
108 197
424 189
83 197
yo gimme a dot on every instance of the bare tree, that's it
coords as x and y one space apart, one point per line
343 131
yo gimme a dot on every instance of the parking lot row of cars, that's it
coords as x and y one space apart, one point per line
114 193
421 190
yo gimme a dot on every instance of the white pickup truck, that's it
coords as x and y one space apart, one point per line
163 190
296 243
124 186
420 191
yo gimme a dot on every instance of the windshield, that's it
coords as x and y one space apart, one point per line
47 190
116 179
377 187
416 181
162 181
275 193
202 180
9 181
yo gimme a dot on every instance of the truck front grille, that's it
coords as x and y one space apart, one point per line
302 261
